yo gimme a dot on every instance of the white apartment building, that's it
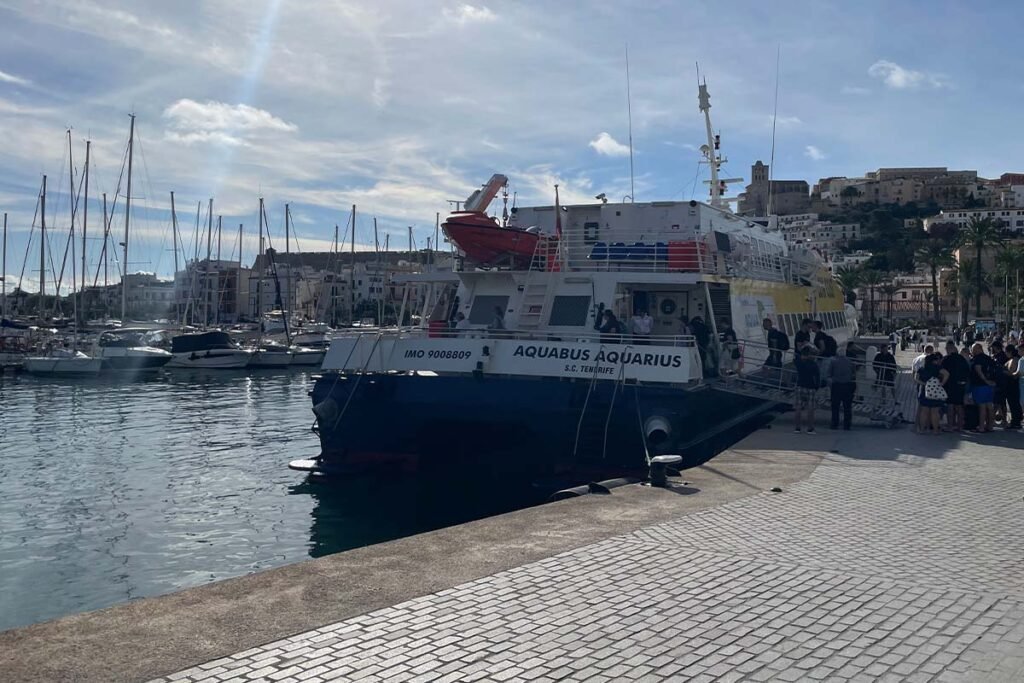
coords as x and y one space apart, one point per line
824 236
856 259
1011 218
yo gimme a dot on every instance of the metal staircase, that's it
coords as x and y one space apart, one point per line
536 293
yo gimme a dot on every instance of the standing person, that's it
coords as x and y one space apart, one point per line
894 339
730 349
999 358
703 337
778 343
808 380
959 370
684 326
843 385
921 358
642 324
609 328
982 387
498 321
932 396
803 335
884 365
461 324
1011 385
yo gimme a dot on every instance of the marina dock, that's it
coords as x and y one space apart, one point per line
884 556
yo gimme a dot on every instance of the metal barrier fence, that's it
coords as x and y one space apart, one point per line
884 394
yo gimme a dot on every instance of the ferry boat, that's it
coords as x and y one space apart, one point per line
511 365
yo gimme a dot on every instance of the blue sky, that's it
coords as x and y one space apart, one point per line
400 105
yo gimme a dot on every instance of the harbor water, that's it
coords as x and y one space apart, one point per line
116 490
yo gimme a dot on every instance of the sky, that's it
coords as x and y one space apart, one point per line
398 106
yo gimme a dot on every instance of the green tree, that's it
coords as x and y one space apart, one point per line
849 279
966 283
872 279
888 290
978 234
935 255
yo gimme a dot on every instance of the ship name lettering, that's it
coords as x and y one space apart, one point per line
561 353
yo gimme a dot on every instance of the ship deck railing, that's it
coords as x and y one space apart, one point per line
443 331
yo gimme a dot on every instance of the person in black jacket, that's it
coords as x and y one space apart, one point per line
778 343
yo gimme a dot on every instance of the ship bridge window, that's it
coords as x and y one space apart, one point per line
569 311
482 312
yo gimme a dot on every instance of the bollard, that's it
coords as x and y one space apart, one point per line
659 464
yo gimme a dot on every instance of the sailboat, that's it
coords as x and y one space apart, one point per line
61 361
266 353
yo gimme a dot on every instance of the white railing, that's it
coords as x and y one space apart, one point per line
481 332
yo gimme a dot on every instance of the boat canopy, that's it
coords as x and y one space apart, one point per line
204 341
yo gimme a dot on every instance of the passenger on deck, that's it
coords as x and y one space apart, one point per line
730 349
778 343
461 324
498 322
610 328
642 325
803 335
702 336
808 381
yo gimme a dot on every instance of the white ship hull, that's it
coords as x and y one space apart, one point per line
133 359
215 359
271 359
308 358
64 367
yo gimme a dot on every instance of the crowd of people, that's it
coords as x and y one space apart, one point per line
969 389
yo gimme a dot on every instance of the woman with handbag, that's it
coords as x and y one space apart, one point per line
931 378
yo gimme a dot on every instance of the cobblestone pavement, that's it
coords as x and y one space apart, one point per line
881 566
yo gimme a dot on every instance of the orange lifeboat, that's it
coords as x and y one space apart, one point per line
486 242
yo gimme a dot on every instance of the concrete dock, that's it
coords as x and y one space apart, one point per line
886 556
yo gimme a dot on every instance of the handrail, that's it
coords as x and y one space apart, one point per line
527 334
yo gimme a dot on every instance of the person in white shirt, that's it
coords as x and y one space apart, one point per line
461 325
919 361
642 325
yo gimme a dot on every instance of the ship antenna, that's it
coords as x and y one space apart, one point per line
629 116
775 119
710 152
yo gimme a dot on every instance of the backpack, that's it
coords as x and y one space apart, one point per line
781 340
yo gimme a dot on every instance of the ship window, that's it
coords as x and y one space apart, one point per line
482 312
569 311
590 232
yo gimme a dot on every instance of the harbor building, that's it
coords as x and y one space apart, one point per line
826 237
1011 219
787 196
211 291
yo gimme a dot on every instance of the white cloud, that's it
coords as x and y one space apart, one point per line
468 14
188 115
813 152
785 121
900 78
608 146
11 78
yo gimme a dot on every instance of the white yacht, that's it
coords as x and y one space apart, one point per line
209 350
63 363
271 355
126 350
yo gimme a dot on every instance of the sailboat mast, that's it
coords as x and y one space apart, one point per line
3 271
106 260
42 251
287 251
259 273
174 240
220 233
206 270
85 210
127 219
352 273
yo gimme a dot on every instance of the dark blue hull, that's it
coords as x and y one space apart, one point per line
523 424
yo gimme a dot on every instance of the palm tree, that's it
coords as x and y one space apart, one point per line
935 255
849 279
1009 262
978 234
871 279
888 290
964 281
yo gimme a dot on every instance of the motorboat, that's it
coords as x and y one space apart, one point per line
126 350
63 363
214 350
271 355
